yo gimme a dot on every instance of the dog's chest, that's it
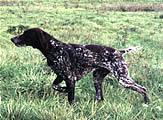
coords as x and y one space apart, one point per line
70 62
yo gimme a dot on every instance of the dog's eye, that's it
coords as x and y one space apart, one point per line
21 36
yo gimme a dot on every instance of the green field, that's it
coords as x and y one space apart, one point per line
25 78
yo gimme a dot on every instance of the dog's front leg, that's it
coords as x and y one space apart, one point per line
71 91
57 87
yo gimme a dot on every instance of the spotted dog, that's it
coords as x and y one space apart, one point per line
71 62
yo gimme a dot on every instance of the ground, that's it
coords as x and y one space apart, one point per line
25 78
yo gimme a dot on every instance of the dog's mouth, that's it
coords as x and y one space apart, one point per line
20 44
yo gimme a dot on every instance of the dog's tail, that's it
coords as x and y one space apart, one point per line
130 49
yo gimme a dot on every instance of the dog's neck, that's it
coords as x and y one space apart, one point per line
51 44
54 43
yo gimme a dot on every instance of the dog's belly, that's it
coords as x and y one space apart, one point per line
80 73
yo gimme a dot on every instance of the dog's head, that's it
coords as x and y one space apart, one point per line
34 37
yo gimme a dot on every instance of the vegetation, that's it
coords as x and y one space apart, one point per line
25 78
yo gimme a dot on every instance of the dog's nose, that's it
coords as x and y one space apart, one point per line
12 39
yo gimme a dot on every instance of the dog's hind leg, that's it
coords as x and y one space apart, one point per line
122 74
127 82
98 76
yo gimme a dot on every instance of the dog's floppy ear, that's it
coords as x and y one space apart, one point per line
44 39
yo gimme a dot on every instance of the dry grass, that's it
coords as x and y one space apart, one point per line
132 8
11 3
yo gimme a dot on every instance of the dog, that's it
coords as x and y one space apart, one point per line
71 62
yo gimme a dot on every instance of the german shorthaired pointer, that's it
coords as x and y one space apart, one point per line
71 62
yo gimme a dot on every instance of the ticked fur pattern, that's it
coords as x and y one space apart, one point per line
71 62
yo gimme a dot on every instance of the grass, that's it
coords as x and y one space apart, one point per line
25 78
